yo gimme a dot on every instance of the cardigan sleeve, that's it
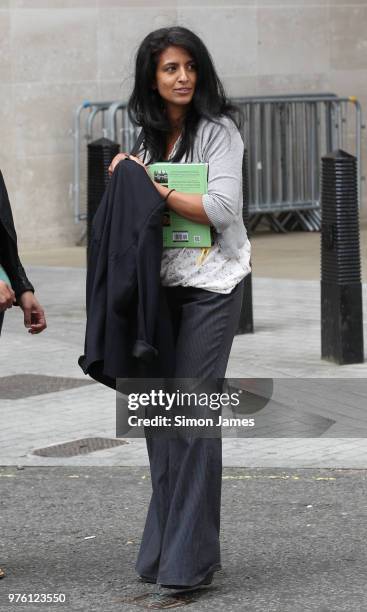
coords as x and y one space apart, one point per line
223 153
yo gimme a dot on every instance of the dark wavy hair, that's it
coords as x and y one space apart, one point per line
146 107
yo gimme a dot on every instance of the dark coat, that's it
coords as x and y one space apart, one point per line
126 313
9 257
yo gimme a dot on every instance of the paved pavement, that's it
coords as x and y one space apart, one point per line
285 345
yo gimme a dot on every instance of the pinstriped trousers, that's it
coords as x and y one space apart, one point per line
180 543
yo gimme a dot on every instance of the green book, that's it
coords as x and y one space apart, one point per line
4 277
187 178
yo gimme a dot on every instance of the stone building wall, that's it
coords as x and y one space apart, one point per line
55 54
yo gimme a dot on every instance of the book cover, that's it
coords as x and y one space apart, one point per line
187 178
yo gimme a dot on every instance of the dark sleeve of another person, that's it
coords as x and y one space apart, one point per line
9 257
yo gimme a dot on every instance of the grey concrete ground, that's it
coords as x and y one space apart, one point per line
293 508
285 345
292 540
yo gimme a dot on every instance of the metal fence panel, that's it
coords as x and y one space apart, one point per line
285 136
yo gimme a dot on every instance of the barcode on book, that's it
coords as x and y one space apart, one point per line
180 236
197 238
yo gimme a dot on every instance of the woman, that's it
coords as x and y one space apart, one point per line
10 266
180 103
21 291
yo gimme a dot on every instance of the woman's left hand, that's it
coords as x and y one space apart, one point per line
119 157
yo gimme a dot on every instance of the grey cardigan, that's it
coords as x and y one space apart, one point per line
221 146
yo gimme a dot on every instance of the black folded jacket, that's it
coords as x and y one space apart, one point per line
126 311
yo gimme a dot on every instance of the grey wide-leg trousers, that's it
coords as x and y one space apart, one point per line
180 543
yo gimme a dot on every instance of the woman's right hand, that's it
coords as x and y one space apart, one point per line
116 160
120 156
7 296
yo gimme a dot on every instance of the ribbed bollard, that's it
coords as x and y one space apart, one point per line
341 289
246 324
100 154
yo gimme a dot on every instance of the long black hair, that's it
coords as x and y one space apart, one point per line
146 107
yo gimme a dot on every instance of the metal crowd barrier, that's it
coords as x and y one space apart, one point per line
285 136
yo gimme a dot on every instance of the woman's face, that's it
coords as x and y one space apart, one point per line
176 76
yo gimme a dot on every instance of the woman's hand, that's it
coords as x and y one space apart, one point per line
119 157
34 316
7 296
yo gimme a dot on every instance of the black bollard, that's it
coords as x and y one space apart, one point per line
246 324
341 288
100 154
